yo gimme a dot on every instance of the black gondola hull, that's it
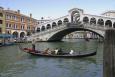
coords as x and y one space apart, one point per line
64 55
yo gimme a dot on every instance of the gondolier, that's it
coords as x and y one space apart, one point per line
33 44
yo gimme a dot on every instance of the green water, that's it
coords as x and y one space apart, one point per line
15 63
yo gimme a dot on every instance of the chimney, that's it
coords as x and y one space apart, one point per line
30 15
1 8
18 11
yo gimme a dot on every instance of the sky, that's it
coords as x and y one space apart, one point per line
57 8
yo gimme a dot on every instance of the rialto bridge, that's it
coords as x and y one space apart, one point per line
76 20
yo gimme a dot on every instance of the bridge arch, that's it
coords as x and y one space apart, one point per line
66 20
100 22
93 21
59 35
43 28
114 25
38 30
54 24
59 22
85 19
108 23
74 15
48 26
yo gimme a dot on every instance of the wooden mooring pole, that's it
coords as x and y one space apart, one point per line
109 54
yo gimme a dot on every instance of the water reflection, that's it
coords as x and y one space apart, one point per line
15 63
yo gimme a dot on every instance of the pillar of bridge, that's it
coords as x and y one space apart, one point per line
109 54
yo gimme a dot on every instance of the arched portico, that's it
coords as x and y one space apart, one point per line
15 34
22 34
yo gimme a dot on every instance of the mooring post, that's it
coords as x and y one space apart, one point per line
109 54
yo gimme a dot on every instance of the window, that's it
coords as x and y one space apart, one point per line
22 26
10 25
0 30
7 25
1 15
28 27
15 26
0 21
22 19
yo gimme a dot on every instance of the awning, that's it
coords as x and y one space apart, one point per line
6 36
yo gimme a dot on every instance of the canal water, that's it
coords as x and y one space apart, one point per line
15 63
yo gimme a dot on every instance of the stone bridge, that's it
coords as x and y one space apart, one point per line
76 20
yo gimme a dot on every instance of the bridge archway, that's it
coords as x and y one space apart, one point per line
100 22
75 15
54 24
66 20
59 35
59 22
108 23
85 19
114 25
42 28
48 26
38 30
93 21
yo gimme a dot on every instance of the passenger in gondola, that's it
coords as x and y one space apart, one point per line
47 51
56 51
60 51
71 52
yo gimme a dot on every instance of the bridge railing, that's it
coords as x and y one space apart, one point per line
70 25
59 27
50 30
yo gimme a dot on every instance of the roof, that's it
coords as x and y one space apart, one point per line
110 11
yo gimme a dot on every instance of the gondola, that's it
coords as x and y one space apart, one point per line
62 55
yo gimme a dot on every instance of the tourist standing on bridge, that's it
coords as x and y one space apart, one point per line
33 44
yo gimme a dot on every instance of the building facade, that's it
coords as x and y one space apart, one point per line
17 24
110 13
2 21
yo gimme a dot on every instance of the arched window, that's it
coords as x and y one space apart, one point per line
1 15
59 22
85 19
74 16
66 20
100 22
92 21
43 28
48 26
53 24
1 22
22 34
114 25
108 23
38 29
15 34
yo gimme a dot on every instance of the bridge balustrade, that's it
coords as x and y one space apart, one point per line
51 30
